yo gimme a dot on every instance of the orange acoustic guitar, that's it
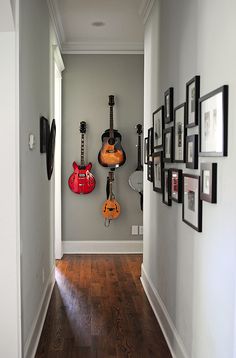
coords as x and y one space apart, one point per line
111 208
112 154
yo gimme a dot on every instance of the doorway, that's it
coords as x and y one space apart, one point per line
57 110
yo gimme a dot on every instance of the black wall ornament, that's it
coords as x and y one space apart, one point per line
51 149
44 134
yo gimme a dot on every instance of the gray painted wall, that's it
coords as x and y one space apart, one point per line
193 273
37 245
87 82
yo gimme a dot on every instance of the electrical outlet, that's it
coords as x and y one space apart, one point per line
43 275
134 229
141 230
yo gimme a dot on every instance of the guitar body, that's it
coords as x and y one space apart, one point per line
136 181
111 154
82 181
110 209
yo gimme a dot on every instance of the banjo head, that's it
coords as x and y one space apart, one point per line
136 180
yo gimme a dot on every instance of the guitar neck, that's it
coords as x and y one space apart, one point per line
110 190
139 167
111 122
82 162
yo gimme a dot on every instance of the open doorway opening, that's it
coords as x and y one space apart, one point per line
58 68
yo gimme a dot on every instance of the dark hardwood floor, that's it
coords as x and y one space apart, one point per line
99 309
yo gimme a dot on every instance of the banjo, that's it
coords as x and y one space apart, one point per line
136 178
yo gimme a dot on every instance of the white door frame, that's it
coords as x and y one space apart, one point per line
57 83
10 268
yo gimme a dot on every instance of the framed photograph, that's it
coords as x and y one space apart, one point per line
157 171
145 147
213 114
150 142
192 151
192 97
176 185
192 204
150 170
168 145
166 186
169 105
179 133
209 182
158 126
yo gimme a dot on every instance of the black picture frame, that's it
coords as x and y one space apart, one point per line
192 151
214 123
192 97
150 142
180 132
176 185
150 170
44 134
168 145
169 105
158 127
145 151
157 168
208 185
51 149
166 197
192 204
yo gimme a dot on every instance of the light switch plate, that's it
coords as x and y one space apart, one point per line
31 141
134 229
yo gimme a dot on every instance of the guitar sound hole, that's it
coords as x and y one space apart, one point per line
111 141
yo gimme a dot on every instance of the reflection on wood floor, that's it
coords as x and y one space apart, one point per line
98 309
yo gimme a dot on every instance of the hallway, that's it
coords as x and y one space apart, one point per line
98 309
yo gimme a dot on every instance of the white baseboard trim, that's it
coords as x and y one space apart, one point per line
32 341
102 247
171 335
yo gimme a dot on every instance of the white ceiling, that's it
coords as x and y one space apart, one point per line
123 30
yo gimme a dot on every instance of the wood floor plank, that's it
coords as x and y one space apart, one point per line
98 309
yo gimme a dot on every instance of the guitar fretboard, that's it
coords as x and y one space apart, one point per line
111 121
82 149
139 153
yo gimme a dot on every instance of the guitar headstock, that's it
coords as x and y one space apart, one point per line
82 127
139 128
111 101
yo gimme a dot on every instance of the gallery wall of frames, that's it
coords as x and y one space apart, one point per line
168 141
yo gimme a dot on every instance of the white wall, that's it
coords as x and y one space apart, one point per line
190 276
36 215
87 82
10 331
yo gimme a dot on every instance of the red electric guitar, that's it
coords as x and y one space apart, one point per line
82 181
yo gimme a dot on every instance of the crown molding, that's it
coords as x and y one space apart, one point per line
6 16
102 48
88 47
56 22
145 9
57 58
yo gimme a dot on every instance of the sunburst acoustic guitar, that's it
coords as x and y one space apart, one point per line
112 154
82 180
